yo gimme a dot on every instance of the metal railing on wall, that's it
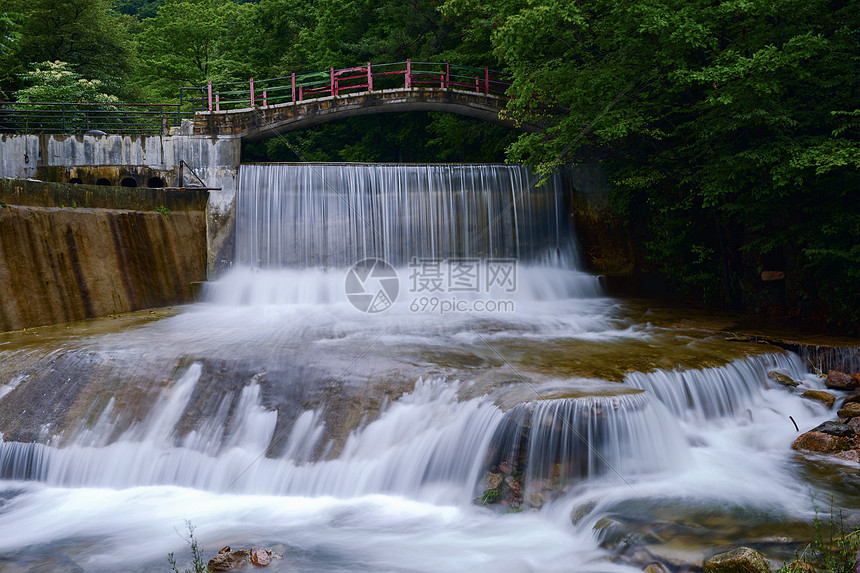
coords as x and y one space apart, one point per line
74 118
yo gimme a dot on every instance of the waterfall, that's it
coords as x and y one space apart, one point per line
716 392
555 444
312 215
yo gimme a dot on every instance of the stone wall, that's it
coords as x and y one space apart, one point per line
70 252
607 246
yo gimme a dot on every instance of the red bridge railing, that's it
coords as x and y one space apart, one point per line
371 77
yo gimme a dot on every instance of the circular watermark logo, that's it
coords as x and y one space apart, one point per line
372 285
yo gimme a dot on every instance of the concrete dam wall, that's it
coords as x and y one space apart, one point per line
70 252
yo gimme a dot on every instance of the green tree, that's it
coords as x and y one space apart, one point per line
87 34
10 39
729 130
184 45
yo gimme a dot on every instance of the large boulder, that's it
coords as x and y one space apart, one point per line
741 560
825 398
850 410
821 443
840 381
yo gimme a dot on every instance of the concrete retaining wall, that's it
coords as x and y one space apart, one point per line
62 157
70 252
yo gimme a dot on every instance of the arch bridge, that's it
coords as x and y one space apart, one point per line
256 110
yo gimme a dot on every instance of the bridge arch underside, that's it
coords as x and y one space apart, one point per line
261 123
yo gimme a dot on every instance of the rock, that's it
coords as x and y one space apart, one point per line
855 424
494 480
820 442
741 560
835 429
609 532
783 379
739 338
515 486
260 557
656 568
506 468
848 456
840 381
799 567
229 560
767 276
535 499
850 410
854 398
825 398
579 512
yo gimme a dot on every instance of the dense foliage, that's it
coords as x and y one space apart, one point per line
730 128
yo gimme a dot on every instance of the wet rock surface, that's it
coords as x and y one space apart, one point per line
821 396
783 379
240 559
835 429
850 410
740 560
228 560
840 381
821 442
838 439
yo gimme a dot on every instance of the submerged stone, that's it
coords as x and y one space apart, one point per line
783 379
848 456
227 560
821 396
741 560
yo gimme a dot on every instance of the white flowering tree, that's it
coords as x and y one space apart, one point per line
52 84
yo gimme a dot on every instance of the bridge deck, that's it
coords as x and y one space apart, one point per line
261 122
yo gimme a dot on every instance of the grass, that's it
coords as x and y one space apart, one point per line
197 563
834 550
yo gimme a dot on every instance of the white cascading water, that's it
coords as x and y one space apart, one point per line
275 413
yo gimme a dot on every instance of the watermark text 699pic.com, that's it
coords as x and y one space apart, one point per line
437 285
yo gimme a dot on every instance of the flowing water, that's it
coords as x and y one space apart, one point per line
479 405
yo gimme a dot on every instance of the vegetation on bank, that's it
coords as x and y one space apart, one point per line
730 129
